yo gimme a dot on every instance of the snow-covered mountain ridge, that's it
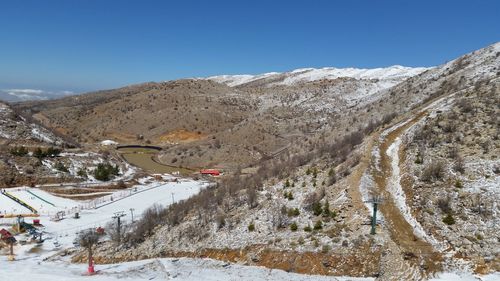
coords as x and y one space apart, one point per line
395 73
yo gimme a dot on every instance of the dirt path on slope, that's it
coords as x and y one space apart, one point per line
414 249
354 180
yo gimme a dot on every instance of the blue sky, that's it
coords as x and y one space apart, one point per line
96 44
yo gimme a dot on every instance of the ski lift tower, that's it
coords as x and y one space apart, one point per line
375 201
117 216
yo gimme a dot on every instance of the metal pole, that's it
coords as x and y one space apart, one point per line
374 218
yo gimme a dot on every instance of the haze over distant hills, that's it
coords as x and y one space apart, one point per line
16 95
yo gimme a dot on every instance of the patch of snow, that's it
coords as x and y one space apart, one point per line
236 80
38 134
108 142
366 183
394 187
463 276
182 269
396 72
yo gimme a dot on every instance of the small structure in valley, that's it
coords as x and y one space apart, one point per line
211 172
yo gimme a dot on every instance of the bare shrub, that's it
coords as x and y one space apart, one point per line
453 152
434 171
88 239
465 105
251 197
459 165
220 220
444 205
151 217
278 217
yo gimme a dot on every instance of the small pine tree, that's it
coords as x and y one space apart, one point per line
60 167
287 183
308 171
317 209
318 225
419 159
326 209
293 212
449 220
308 228
293 227
332 177
251 227
82 173
38 153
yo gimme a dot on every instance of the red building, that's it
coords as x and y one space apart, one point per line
211 172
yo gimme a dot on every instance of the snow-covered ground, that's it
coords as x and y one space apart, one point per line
95 213
31 264
184 269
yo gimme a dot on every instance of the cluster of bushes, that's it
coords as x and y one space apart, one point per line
49 152
61 167
324 210
142 228
19 151
38 152
105 171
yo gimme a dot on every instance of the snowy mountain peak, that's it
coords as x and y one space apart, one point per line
395 72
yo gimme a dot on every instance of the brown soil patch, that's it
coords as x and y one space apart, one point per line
355 178
120 137
361 262
179 136
42 118
82 197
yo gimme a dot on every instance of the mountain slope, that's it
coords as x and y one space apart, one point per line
299 205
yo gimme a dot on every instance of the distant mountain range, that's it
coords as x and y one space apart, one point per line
386 77
16 95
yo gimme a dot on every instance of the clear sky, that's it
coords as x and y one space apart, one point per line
96 44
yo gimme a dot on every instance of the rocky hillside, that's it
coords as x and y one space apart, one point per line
453 155
433 159
201 123
31 154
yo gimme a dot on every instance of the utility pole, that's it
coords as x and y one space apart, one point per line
118 216
173 201
132 213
